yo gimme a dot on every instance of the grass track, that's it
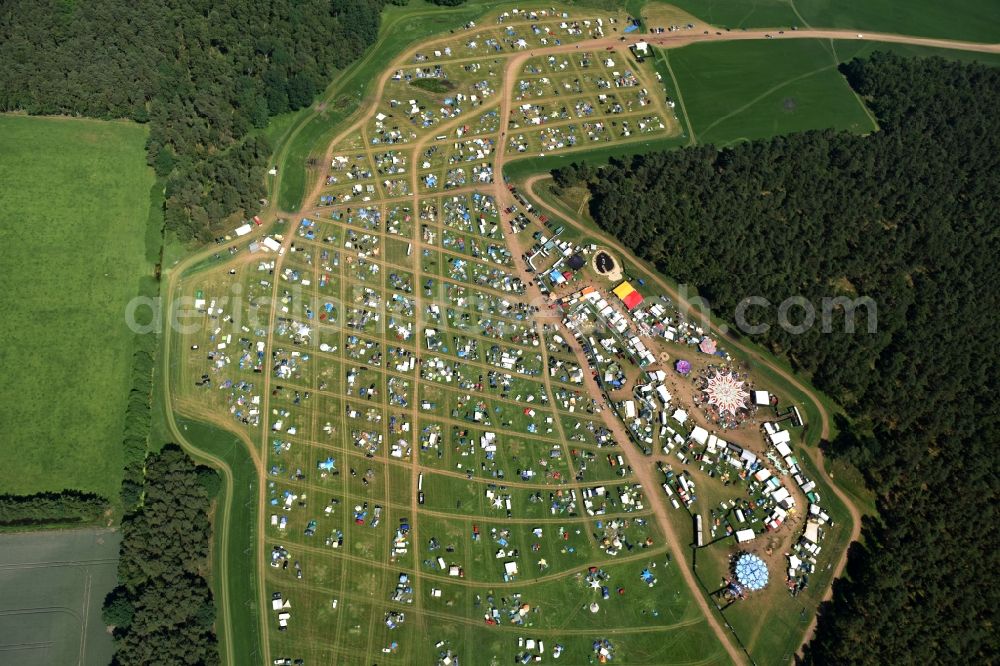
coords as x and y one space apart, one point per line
234 549
961 19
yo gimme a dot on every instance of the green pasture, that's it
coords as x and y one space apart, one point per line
74 250
725 92
846 49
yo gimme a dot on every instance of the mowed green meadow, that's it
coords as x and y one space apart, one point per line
75 204
971 20
746 90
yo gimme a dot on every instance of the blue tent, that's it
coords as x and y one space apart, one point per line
751 571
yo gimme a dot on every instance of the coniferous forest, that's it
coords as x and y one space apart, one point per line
202 73
909 217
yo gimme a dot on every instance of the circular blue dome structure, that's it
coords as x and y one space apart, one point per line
751 571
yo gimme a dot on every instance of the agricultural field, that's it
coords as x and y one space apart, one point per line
76 201
736 91
54 583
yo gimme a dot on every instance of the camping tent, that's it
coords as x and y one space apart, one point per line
628 295
707 345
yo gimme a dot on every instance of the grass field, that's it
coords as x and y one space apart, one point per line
342 597
846 49
73 247
53 586
749 90
962 20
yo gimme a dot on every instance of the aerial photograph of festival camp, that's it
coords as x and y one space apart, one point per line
484 332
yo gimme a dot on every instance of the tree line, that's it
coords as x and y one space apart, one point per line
162 610
907 216
204 75
67 507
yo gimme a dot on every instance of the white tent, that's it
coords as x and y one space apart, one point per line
812 531
780 494
781 437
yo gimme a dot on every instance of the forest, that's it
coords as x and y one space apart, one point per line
907 216
203 74
162 610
